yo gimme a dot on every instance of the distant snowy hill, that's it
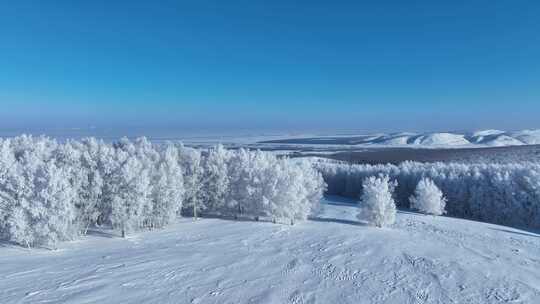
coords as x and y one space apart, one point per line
440 139
530 137
483 138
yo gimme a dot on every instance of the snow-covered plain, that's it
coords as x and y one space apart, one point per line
329 259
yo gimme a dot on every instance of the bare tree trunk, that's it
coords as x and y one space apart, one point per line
194 210
239 211
86 229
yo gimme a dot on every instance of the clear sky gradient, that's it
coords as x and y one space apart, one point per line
279 65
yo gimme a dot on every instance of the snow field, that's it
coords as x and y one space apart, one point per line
330 259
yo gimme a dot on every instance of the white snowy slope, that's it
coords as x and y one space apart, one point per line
421 259
484 138
494 138
395 139
503 140
481 136
530 137
440 139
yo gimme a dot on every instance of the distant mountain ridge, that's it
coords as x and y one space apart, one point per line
492 138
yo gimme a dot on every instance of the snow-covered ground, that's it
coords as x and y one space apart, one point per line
330 259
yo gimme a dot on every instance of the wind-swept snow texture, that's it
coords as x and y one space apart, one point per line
331 259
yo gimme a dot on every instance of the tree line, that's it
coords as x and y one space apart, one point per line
507 194
51 191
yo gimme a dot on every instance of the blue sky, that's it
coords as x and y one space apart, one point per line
273 65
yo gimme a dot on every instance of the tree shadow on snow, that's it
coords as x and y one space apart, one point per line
525 233
100 233
335 220
8 244
345 204
242 218
409 212
14 245
336 200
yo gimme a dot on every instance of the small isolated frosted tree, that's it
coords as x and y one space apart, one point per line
377 207
428 198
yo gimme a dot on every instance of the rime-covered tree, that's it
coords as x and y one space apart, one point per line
84 178
428 198
241 182
131 196
38 205
168 188
92 182
190 161
12 217
377 207
215 180
109 165
52 191
263 185
313 186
